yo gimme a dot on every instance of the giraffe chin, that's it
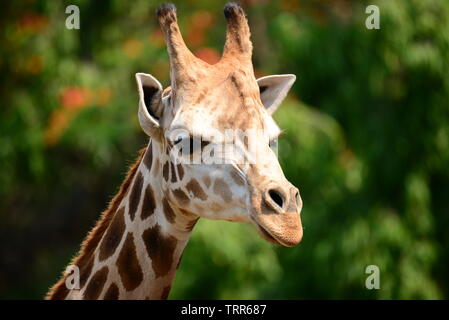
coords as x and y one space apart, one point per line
282 229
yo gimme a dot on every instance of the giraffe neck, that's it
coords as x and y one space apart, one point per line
140 250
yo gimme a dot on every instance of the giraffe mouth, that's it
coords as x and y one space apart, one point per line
284 229
267 236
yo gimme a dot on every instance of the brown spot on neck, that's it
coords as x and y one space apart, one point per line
112 293
148 204
113 235
181 196
128 265
168 211
134 197
222 188
96 284
173 172
160 249
85 270
194 187
148 158
165 170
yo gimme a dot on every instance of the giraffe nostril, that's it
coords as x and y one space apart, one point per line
298 200
276 197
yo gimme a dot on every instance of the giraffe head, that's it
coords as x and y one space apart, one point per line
213 133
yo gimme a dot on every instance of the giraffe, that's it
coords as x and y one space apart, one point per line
135 248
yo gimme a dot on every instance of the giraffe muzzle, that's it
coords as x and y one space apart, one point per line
279 220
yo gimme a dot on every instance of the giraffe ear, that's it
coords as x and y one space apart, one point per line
150 103
273 89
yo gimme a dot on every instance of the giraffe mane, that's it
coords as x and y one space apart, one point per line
59 290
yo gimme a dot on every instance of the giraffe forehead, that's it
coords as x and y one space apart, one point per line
218 87
224 98
220 111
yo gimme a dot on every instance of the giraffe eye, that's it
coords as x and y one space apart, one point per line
186 145
273 144
178 140
190 144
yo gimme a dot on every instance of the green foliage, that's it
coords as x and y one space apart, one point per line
366 141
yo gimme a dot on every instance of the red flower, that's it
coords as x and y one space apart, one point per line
74 97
